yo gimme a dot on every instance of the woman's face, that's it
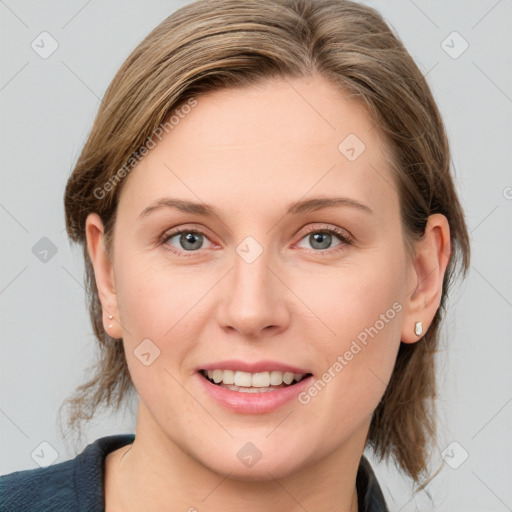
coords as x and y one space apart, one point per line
264 286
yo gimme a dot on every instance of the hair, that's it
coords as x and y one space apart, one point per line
213 44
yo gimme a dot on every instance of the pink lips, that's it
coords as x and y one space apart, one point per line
252 403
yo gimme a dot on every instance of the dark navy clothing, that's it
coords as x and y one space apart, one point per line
76 485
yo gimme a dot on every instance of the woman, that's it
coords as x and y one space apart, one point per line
270 228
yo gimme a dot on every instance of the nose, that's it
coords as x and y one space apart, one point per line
254 300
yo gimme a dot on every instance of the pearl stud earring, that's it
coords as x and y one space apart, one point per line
110 325
418 328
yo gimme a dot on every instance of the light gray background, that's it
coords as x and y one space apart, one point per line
47 109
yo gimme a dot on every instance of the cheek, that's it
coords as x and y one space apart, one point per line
154 298
362 308
166 305
356 299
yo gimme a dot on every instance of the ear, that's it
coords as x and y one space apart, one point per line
103 273
432 254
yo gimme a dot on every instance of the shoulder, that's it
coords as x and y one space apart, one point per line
72 485
41 487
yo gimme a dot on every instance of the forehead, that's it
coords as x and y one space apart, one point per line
265 145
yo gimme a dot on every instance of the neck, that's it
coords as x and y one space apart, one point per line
154 472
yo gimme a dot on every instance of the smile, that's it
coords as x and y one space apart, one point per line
245 382
252 388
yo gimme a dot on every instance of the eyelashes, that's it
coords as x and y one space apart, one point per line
181 233
340 234
332 232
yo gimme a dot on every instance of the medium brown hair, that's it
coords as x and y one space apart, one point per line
213 44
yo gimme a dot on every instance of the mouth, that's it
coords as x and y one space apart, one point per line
260 382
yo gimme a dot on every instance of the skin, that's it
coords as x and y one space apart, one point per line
249 153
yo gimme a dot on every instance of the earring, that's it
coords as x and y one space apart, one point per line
418 328
110 325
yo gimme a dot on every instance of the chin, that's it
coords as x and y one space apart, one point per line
259 461
261 471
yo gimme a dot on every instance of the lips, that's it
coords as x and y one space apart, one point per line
260 377
237 380
251 400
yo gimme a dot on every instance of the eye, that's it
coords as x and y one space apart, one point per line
322 239
184 240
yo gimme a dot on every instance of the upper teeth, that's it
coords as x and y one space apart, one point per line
255 380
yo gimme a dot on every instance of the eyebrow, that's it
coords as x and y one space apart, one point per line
294 208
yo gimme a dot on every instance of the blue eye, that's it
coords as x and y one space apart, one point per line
321 239
189 240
